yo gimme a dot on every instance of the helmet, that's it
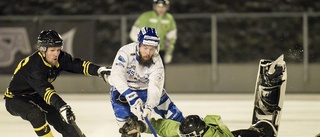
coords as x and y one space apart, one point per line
192 126
161 3
148 36
49 38
164 2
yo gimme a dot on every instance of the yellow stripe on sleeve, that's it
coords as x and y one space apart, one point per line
86 65
48 94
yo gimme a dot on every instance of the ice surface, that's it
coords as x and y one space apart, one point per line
300 117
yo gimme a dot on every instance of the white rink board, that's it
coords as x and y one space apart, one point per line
300 117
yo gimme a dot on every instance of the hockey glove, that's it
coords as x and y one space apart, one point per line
133 99
67 114
104 72
146 112
133 127
167 58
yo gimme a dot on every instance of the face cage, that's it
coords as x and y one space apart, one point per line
165 5
44 48
192 134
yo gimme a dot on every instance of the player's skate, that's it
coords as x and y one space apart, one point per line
269 94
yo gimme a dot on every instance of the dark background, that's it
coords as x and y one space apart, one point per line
240 40
98 7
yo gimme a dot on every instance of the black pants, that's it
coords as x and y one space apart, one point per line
35 110
246 133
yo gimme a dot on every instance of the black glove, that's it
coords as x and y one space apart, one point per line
133 127
67 114
104 72
275 78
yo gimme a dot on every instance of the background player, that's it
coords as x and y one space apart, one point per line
31 94
165 25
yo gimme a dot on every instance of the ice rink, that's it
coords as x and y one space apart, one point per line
300 117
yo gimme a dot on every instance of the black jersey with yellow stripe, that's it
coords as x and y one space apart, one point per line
34 75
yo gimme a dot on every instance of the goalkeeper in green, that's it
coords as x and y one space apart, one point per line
194 126
191 126
165 25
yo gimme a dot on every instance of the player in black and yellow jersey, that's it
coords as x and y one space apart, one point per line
31 94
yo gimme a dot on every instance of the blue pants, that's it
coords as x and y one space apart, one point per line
166 108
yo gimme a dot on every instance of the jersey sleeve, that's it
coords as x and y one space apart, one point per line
165 127
38 81
155 87
77 65
134 33
171 35
140 22
119 68
215 124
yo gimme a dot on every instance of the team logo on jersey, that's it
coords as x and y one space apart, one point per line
120 58
50 80
120 64
130 72
153 20
165 22
158 77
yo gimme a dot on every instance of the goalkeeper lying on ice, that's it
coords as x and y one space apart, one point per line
270 88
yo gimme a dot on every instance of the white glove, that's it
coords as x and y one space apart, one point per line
167 58
133 99
104 72
147 110
67 114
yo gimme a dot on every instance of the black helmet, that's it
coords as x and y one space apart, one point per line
161 3
192 126
49 38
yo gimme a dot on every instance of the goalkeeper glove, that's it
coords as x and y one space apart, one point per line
133 127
